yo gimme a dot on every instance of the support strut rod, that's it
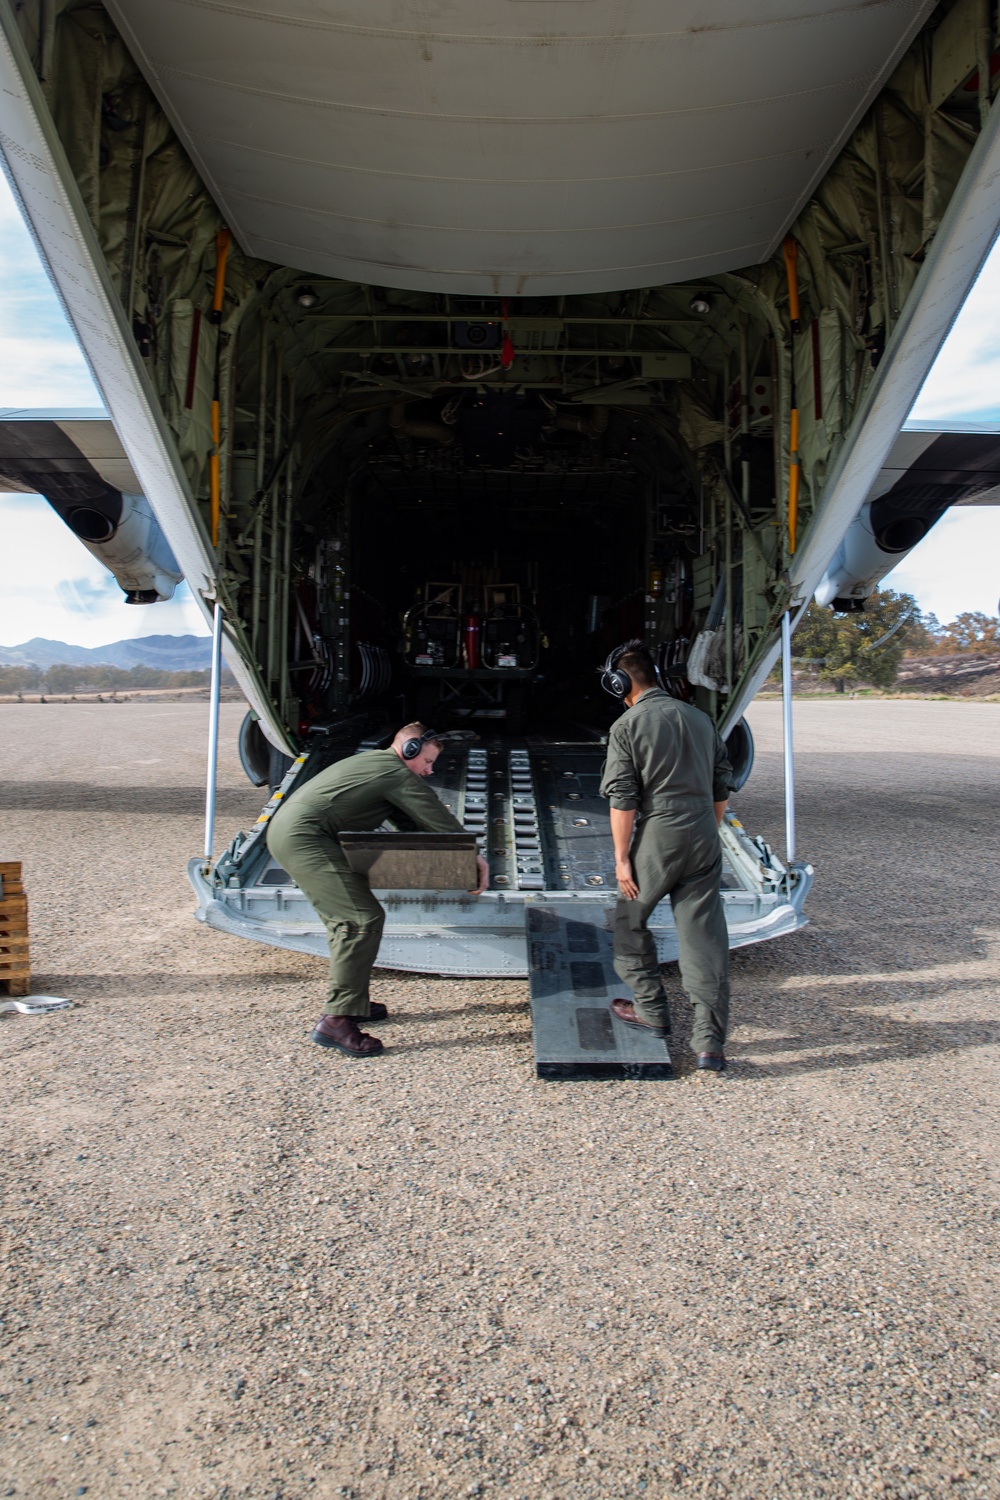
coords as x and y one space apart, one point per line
213 731
786 725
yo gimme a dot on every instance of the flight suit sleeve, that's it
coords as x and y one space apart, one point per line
416 799
620 782
722 774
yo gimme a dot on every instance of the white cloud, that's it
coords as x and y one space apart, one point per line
52 586
43 372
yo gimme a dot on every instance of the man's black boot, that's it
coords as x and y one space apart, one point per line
711 1062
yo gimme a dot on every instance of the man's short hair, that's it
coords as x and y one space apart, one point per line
636 659
414 731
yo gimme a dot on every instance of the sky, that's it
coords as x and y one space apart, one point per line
53 587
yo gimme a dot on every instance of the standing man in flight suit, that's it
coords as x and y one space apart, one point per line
668 780
357 793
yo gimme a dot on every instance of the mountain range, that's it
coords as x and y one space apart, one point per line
172 653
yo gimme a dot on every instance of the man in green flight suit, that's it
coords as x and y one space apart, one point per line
668 780
357 793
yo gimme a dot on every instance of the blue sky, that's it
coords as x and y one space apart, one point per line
53 587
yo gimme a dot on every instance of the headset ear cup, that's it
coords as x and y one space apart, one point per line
410 749
616 683
613 680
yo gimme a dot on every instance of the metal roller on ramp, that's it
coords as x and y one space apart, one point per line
572 983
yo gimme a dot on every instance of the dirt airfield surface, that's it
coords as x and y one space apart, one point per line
237 1265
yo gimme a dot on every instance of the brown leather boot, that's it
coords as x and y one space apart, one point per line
625 1011
378 1012
344 1034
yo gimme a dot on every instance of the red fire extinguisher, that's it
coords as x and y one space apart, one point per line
472 627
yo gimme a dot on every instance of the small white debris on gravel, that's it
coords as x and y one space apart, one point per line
237 1265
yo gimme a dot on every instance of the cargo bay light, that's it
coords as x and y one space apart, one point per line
542 336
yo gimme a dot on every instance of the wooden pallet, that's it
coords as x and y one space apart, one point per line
15 958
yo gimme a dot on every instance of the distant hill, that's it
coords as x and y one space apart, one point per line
171 653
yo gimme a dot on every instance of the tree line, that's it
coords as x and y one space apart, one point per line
63 678
869 646
972 631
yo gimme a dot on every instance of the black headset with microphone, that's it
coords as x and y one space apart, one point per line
615 680
411 748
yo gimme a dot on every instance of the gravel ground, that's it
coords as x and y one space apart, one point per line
236 1265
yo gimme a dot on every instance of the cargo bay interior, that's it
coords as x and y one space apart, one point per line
470 554
481 504
499 554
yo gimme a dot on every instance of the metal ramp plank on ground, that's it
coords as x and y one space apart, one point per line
573 982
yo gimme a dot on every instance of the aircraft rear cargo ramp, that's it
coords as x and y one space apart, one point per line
545 835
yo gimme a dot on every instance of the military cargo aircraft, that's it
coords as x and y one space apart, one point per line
444 345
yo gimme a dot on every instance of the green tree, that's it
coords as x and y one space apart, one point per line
62 678
865 647
19 679
923 634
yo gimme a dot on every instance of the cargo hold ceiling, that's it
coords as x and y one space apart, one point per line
514 146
